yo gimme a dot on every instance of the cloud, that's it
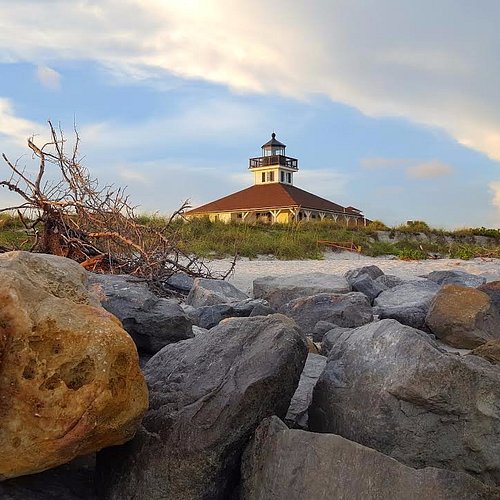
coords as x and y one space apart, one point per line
430 170
420 60
48 77
17 129
132 175
495 188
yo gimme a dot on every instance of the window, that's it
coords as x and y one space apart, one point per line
289 177
270 177
263 177
282 176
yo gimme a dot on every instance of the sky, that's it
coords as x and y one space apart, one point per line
391 106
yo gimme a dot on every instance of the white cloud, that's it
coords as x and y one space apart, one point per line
436 64
12 127
495 188
48 77
429 170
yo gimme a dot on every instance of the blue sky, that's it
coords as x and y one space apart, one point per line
390 106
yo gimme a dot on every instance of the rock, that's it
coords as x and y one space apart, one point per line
349 310
331 337
262 310
285 464
151 321
390 281
463 317
210 316
408 303
297 412
372 271
389 387
180 281
368 286
70 382
450 277
208 395
311 346
489 351
197 330
207 292
278 290
71 481
492 289
320 328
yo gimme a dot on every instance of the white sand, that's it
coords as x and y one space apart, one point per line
338 263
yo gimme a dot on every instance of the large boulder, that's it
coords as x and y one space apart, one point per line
208 395
454 277
287 464
71 481
390 387
408 303
208 292
70 382
463 317
301 400
349 310
152 322
180 282
331 337
278 290
389 280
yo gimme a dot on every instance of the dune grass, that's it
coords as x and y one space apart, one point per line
300 240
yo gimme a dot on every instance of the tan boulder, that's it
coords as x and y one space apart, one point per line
489 351
70 382
463 317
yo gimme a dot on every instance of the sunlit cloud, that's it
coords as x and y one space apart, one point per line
424 62
48 77
429 170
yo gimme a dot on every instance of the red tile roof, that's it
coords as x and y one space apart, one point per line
271 196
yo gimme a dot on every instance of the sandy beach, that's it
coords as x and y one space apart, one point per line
338 263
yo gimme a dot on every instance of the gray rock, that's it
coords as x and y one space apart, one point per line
288 464
71 481
151 321
301 400
389 387
207 292
368 286
451 277
320 328
372 271
197 330
262 310
210 316
207 396
408 303
180 281
349 310
278 290
389 280
331 337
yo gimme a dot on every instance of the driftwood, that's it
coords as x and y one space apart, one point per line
68 213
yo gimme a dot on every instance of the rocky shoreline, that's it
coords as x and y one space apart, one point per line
358 384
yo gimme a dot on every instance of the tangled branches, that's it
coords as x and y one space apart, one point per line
69 214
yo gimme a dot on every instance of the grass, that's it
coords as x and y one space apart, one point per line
205 238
